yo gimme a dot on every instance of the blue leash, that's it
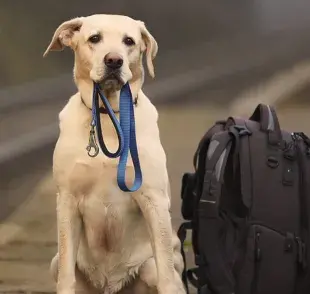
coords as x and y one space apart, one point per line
126 133
127 121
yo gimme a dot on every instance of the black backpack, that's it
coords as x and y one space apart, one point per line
247 206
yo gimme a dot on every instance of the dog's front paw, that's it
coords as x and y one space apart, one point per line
68 291
168 289
65 290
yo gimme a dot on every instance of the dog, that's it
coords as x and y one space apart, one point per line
110 241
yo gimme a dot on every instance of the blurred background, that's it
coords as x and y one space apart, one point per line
215 58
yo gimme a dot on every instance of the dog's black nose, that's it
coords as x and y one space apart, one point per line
113 60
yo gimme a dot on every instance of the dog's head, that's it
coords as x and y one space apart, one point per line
108 48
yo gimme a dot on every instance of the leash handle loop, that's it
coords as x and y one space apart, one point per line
97 123
127 121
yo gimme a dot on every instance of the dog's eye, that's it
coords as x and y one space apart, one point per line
94 39
129 41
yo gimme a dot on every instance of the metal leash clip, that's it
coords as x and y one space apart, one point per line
92 143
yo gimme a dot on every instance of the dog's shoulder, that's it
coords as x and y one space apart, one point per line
72 105
72 112
146 116
147 107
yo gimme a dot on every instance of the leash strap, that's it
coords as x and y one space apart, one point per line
126 133
127 121
96 122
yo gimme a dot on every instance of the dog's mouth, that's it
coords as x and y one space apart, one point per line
112 80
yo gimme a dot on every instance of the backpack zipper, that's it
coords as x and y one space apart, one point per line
257 258
301 137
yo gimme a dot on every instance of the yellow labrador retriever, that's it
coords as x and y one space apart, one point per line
110 241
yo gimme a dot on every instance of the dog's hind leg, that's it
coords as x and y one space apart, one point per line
138 287
148 275
81 285
148 271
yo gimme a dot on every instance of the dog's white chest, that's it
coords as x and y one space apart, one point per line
106 217
103 206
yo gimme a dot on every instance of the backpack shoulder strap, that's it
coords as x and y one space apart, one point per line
205 140
194 183
244 158
201 154
213 268
218 150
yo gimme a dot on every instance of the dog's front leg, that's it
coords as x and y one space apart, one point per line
69 229
154 205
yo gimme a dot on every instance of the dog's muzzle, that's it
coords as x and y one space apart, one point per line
113 63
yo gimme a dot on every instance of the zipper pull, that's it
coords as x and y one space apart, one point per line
301 253
305 138
258 254
306 141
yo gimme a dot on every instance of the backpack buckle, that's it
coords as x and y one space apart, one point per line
204 290
199 260
241 129
301 253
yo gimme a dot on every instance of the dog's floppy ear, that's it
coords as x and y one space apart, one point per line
63 35
151 47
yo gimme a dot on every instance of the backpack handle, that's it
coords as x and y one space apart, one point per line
267 117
